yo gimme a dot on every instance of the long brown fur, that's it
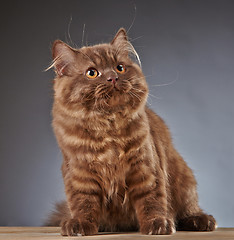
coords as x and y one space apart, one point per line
120 169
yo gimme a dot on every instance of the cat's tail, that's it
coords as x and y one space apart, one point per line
60 212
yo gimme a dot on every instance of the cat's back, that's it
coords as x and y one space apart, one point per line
158 127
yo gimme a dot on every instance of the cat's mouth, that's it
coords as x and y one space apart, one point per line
107 91
109 98
122 87
116 88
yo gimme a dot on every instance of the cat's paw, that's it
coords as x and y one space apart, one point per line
202 222
158 226
72 227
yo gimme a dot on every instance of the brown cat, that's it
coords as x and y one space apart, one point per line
120 169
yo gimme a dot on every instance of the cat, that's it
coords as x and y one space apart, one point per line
121 171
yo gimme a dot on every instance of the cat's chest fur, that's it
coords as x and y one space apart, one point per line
106 146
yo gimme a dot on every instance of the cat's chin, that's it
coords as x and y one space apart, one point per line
109 99
121 98
120 88
117 101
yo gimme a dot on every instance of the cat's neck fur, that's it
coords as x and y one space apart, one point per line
101 121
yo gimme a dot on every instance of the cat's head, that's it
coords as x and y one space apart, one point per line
100 78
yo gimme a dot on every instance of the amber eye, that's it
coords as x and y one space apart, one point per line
120 68
92 73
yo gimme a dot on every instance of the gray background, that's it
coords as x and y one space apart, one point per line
187 47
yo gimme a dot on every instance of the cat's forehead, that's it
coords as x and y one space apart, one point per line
103 54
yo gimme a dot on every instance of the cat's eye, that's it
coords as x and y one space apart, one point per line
120 68
92 73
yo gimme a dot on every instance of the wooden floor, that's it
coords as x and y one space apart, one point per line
52 233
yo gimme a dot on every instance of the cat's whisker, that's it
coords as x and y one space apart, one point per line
107 96
139 97
128 79
101 90
128 47
132 50
131 97
134 18
138 90
134 78
87 97
68 33
149 103
106 103
136 95
83 33
134 39
151 95
138 78
164 84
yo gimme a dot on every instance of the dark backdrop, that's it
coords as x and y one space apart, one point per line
187 53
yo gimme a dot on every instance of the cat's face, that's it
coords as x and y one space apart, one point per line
100 78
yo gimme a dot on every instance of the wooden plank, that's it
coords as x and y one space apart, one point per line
53 233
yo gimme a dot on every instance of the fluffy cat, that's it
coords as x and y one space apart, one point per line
120 169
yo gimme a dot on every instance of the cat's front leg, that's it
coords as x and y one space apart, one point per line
84 201
147 194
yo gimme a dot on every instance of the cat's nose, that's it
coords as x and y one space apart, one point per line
112 77
113 80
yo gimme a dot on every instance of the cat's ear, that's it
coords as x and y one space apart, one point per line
124 46
63 58
120 39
